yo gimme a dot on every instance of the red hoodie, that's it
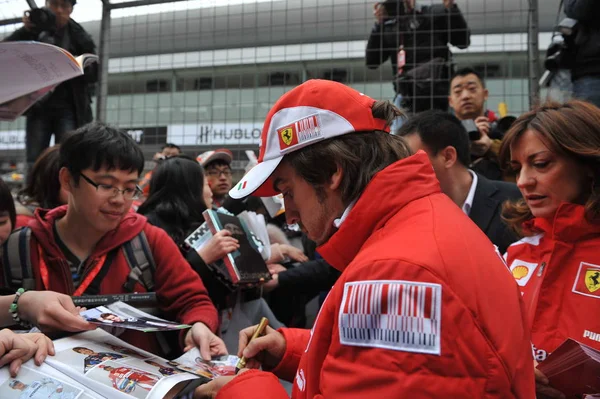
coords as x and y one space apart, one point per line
424 307
181 293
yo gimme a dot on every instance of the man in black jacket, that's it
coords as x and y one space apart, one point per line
69 105
416 42
586 67
445 141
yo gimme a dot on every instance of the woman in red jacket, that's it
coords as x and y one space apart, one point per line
555 152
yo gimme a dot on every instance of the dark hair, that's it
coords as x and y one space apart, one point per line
571 129
467 71
438 130
176 196
360 155
171 145
7 203
97 145
43 185
217 162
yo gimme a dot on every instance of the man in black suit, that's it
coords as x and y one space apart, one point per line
446 142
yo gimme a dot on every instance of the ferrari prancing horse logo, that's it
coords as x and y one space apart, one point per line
287 135
592 280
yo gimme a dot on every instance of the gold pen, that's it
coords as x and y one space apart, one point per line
258 332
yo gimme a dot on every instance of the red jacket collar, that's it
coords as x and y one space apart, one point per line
569 224
41 227
390 190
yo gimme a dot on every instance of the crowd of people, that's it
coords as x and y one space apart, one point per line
405 229
453 251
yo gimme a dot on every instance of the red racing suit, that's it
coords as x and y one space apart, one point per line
424 307
558 271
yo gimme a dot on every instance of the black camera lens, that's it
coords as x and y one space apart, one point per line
43 19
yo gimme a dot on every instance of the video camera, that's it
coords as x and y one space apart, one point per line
43 19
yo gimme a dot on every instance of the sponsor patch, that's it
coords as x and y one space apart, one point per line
587 281
392 314
301 131
522 271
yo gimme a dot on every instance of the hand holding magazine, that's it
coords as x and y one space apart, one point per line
96 365
246 265
31 70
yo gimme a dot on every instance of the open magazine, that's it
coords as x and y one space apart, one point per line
31 70
98 365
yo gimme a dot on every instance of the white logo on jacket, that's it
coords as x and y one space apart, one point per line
392 314
522 271
301 380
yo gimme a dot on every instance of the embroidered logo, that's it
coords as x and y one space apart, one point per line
301 131
587 281
398 315
522 271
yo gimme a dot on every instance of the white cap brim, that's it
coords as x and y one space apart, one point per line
255 178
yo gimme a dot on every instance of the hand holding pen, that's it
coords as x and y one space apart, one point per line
264 350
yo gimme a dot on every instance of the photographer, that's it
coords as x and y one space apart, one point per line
69 105
416 42
467 98
586 66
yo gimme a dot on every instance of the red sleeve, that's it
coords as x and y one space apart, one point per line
296 340
253 384
179 289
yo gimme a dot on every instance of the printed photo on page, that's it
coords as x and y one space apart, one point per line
192 362
115 369
32 384
121 315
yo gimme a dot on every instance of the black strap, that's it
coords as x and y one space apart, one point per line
94 287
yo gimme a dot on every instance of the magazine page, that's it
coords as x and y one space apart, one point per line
121 315
219 366
42 382
26 67
258 231
11 110
114 368
200 237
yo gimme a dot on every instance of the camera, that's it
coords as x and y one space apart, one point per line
471 128
558 55
43 19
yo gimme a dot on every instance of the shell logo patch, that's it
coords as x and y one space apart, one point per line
522 271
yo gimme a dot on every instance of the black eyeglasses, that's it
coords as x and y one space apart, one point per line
108 191
219 172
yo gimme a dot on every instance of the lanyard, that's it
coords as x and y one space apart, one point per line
84 284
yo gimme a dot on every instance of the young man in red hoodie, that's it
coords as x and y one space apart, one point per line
77 249
424 306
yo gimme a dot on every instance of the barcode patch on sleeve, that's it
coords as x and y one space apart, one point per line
392 314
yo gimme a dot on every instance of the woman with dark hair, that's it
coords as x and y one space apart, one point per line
178 195
555 153
8 215
43 188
